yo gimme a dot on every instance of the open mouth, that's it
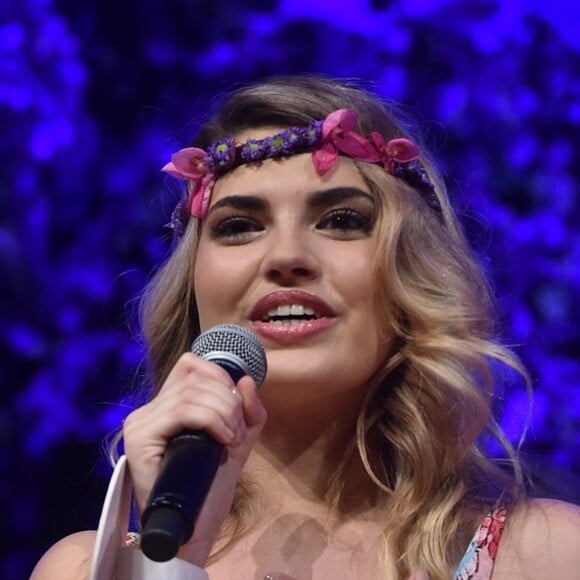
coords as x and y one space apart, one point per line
290 314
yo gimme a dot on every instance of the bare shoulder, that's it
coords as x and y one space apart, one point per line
542 540
68 559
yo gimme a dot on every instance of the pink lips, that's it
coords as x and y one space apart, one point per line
286 333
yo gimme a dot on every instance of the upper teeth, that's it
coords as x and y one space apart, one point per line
290 310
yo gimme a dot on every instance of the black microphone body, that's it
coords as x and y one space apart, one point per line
192 457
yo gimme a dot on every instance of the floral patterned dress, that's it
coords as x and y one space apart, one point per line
477 562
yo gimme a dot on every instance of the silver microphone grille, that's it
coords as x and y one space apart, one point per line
238 341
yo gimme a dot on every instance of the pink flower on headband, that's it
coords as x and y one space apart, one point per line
200 195
192 163
399 150
188 163
338 136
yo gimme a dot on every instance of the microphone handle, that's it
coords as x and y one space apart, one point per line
188 469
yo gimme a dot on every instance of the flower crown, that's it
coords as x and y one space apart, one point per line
326 139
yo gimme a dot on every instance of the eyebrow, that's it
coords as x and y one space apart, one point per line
337 194
247 202
317 199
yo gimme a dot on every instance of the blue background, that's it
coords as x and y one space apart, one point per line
95 95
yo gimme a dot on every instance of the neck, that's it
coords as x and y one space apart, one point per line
302 448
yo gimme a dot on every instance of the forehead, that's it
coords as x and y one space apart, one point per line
295 174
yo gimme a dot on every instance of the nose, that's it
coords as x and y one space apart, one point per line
290 258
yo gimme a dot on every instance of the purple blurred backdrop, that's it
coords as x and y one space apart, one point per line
95 95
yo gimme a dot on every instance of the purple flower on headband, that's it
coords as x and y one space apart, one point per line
179 217
313 133
415 175
283 143
223 153
293 135
252 150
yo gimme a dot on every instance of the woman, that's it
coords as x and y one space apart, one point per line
314 220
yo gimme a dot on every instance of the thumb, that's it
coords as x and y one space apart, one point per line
254 412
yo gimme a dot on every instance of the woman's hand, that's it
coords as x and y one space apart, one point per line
197 394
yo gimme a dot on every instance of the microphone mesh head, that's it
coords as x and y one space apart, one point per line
238 341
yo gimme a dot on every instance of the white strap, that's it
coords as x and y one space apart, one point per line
112 523
111 561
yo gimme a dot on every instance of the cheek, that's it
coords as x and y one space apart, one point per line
354 272
201 280
210 286
220 280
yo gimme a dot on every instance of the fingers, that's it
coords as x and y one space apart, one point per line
254 411
190 363
196 395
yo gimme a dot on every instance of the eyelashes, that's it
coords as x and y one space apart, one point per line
346 220
340 223
235 227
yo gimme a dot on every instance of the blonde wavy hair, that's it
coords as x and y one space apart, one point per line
427 407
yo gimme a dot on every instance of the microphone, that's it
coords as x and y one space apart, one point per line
192 457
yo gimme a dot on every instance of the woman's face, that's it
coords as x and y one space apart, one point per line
289 255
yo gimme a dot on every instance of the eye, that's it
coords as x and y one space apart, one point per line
235 228
346 220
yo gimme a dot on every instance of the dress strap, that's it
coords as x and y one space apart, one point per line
477 562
